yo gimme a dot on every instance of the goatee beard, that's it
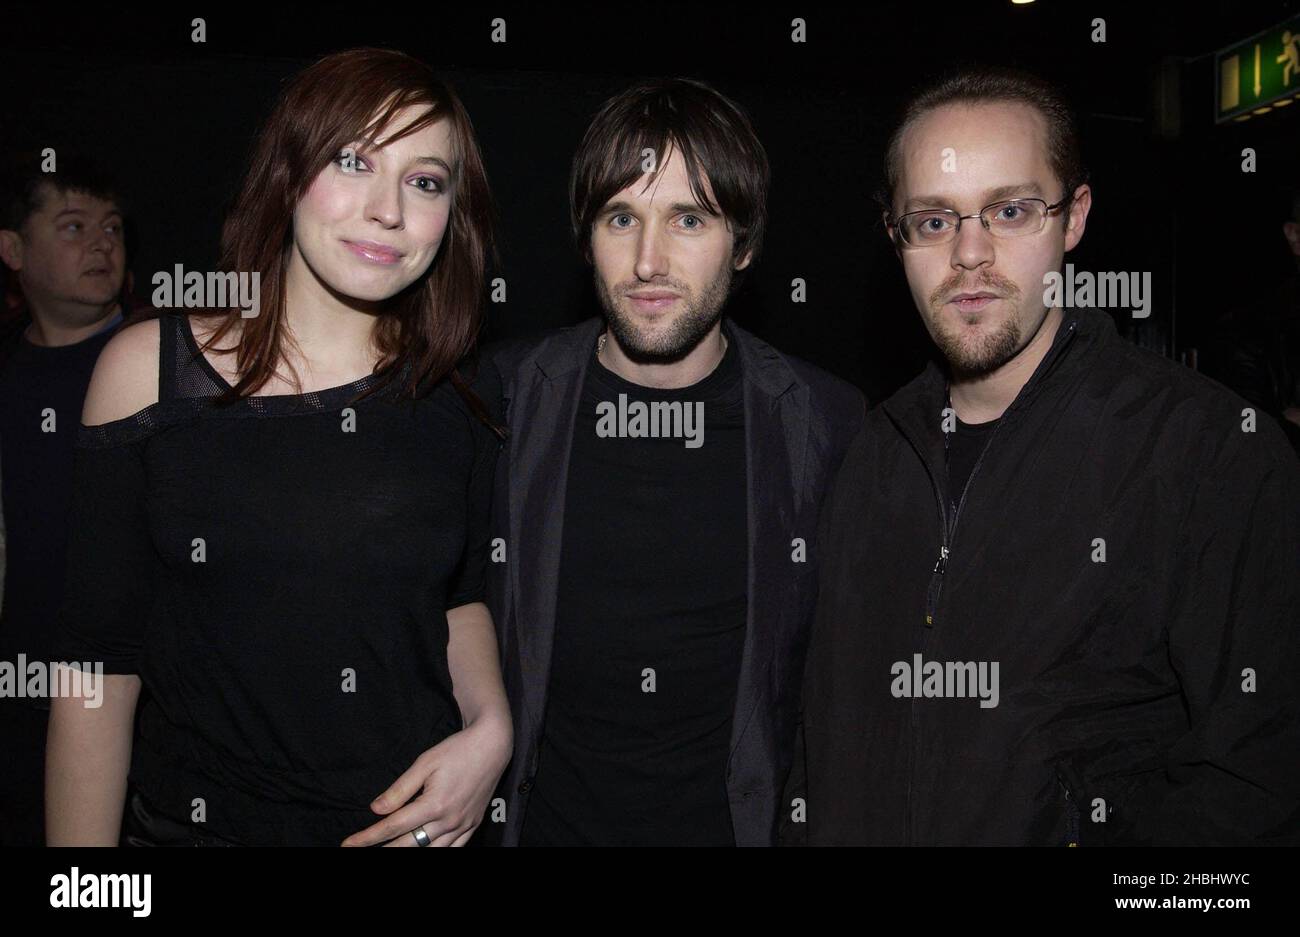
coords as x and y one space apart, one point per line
989 353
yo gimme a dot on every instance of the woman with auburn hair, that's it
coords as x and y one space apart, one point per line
280 520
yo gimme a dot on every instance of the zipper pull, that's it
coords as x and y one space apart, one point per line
936 579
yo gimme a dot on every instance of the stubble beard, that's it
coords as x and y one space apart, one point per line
665 346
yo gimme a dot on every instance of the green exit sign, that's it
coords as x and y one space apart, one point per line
1259 73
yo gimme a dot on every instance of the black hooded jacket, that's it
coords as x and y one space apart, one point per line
1127 552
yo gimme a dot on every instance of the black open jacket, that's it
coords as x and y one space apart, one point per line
1147 698
798 422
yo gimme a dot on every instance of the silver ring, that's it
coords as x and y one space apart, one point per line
421 837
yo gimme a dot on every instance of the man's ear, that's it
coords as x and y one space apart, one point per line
891 232
1077 217
1291 231
11 249
743 262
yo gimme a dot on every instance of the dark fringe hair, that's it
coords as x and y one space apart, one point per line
710 133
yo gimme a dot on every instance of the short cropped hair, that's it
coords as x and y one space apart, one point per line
983 84
27 186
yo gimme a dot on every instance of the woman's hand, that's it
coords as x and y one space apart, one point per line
457 777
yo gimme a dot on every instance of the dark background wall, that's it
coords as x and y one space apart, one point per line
174 120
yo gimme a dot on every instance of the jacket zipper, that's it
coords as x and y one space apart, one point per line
1071 815
949 527
948 531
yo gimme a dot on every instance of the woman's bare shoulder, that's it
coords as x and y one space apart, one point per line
125 380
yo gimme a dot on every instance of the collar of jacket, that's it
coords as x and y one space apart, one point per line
760 363
917 409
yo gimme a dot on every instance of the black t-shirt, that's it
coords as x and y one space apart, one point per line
42 390
965 445
278 572
652 592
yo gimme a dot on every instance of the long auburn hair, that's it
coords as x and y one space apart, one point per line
433 324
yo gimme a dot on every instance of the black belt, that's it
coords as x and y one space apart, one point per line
143 825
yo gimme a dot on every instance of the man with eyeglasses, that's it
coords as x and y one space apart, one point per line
1058 596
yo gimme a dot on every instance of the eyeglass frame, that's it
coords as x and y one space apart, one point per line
1048 210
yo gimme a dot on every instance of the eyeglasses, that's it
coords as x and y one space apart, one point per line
1017 217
